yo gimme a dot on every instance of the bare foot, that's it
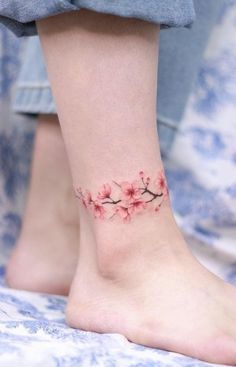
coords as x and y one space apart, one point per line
135 278
45 256
145 284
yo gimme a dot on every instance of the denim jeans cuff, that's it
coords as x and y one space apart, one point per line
34 99
20 18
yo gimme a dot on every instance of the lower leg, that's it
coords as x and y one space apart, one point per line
128 250
48 243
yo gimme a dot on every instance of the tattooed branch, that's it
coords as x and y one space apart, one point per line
126 199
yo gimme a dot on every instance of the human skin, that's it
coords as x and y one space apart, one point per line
137 278
48 243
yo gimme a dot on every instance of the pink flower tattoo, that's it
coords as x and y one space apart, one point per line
105 192
126 199
130 191
98 210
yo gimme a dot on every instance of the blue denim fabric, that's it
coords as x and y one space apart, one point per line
20 16
33 93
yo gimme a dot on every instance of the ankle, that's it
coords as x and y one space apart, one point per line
125 250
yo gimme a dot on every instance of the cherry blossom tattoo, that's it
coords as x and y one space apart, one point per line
126 199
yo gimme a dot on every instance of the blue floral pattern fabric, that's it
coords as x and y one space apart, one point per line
204 184
33 331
